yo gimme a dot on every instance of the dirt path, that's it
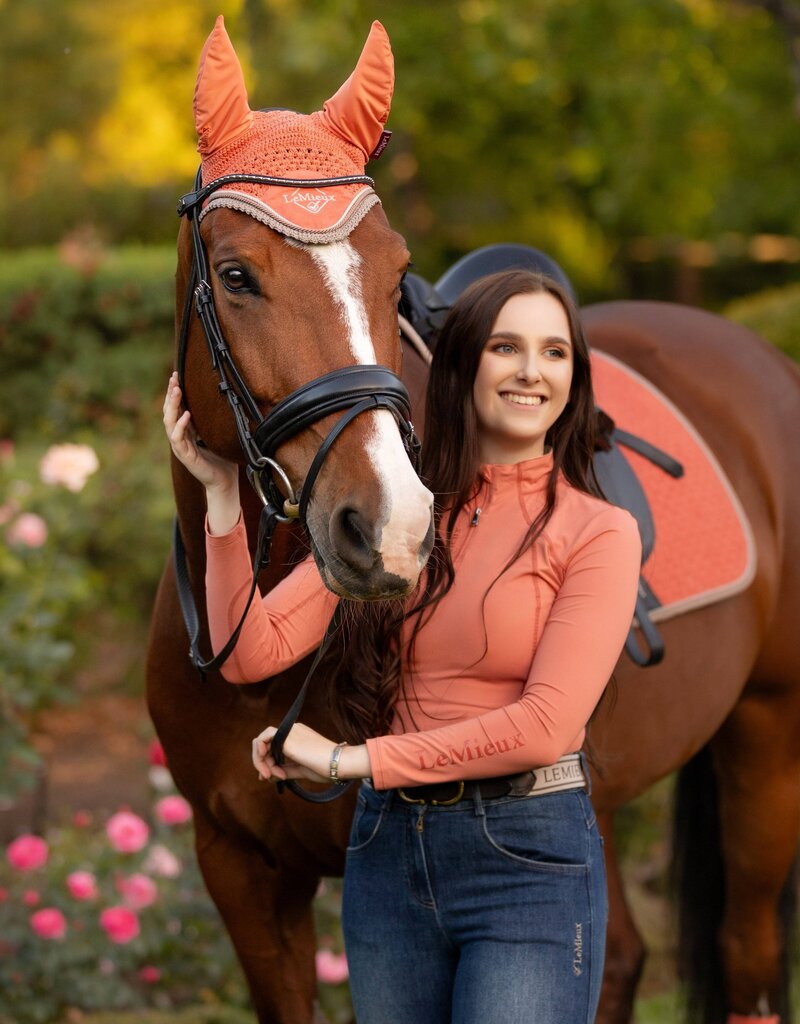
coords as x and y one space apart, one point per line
96 759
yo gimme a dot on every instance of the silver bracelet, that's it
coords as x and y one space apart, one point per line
334 765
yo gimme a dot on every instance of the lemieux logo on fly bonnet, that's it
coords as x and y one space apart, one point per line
333 142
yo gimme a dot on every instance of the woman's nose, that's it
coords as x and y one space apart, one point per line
529 369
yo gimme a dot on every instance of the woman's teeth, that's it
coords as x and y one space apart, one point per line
523 399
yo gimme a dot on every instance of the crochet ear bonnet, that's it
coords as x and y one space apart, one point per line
333 142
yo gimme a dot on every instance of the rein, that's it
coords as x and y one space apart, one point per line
352 390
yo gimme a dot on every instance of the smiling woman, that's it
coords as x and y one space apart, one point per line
471 699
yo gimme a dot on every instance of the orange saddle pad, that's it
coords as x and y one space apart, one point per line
704 549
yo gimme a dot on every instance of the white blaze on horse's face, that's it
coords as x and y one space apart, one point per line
405 504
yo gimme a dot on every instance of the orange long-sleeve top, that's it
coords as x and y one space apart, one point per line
510 665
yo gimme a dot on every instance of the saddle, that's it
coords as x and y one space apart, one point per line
425 306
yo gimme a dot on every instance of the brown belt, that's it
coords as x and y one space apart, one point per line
567 773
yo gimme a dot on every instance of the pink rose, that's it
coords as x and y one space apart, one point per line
173 810
82 885
49 923
138 891
331 967
3 895
162 862
27 853
120 924
27 531
156 754
69 465
31 898
149 974
82 819
127 832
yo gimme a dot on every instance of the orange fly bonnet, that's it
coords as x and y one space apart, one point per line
333 142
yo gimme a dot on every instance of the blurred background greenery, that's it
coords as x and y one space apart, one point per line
650 147
637 142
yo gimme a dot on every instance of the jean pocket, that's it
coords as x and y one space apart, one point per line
366 822
536 832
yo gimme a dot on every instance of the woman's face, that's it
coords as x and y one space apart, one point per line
524 378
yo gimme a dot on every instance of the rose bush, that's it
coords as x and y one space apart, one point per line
113 915
46 587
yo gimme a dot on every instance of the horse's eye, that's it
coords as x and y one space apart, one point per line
234 279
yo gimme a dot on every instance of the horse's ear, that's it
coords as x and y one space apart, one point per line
221 110
360 109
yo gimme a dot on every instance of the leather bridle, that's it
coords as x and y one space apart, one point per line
352 390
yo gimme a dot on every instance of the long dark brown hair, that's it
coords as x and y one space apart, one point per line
368 665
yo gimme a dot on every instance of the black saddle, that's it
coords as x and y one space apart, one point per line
425 306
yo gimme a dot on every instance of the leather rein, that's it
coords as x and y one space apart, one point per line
352 390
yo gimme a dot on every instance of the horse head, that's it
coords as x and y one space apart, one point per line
304 281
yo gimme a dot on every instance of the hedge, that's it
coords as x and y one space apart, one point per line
774 314
83 346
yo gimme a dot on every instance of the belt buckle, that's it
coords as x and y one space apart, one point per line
433 803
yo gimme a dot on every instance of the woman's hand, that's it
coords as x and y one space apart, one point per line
307 755
219 477
212 471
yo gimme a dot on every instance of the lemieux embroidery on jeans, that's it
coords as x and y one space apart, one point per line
577 948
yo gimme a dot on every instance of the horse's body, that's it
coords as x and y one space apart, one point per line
730 678
731 675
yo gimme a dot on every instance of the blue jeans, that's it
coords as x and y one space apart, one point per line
488 911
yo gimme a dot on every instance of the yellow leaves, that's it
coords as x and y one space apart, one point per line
146 134
523 72
474 11
142 138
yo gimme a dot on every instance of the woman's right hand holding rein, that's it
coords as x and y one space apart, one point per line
219 476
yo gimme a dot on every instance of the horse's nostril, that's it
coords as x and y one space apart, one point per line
354 540
352 529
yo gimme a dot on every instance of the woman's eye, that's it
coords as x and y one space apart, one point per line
235 280
505 348
557 353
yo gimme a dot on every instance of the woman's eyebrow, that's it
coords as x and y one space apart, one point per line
554 339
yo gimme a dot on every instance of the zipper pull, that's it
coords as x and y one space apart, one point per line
420 825
476 517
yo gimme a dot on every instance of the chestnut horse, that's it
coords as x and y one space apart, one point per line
730 682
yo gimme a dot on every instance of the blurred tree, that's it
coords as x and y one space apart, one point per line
100 125
574 125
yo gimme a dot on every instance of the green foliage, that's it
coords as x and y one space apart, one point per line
573 126
84 336
774 314
85 350
180 957
46 587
